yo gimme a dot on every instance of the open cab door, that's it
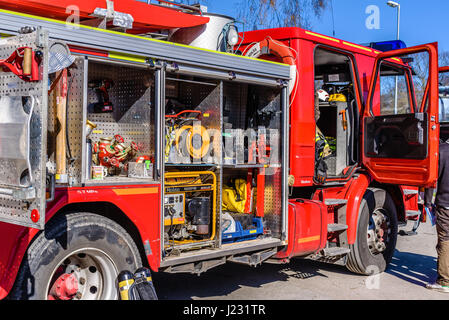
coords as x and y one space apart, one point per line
23 128
400 121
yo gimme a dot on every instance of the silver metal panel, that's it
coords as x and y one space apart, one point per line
160 127
15 137
225 250
22 128
108 40
342 138
226 75
84 160
338 161
285 159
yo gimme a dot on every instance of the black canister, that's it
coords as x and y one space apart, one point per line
199 209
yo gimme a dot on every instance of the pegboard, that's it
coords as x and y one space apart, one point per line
133 98
200 95
23 149
74 123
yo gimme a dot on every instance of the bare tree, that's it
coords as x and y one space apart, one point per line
262 14
444 61
420 66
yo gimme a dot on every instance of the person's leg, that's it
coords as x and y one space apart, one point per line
442 224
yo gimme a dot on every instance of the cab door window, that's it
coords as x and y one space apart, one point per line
395 93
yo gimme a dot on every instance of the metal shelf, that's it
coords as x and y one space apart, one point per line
191 165
244 166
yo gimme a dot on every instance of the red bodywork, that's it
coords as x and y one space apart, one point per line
141 204
146 17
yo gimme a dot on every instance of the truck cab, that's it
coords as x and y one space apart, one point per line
384 145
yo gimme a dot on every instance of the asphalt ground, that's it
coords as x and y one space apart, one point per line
413 265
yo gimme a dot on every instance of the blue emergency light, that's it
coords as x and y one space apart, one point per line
388 45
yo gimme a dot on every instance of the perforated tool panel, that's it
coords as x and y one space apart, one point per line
23 155
200 95
74 122
132 97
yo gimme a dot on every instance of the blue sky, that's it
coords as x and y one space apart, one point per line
421 21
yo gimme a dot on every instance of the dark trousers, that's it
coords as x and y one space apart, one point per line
442 224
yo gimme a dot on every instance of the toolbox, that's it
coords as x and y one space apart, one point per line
244 234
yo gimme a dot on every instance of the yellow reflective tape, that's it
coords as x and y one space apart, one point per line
127 57
357 46
321 36
309 239
135 191
74 26
396 59
125 284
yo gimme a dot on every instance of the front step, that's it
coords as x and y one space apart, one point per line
336 227
335 251
335 202
253 259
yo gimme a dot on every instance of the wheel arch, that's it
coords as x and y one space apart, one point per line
355 195
358 261
27 236
396 194
111 211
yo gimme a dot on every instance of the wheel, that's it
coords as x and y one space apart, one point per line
377 230
77 257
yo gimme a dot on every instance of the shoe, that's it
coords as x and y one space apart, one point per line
437 287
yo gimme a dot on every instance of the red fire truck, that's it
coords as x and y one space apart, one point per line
120 149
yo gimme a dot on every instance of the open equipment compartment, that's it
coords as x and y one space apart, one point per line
238 140
252 175
192 121
192 155
120 130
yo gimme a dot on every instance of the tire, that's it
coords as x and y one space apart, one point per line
93 247
377 217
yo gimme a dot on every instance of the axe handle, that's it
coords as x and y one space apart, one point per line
61 119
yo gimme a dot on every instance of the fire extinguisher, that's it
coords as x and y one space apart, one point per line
137 286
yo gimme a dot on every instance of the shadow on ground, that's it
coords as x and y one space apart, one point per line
221 281
414 268
227 278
